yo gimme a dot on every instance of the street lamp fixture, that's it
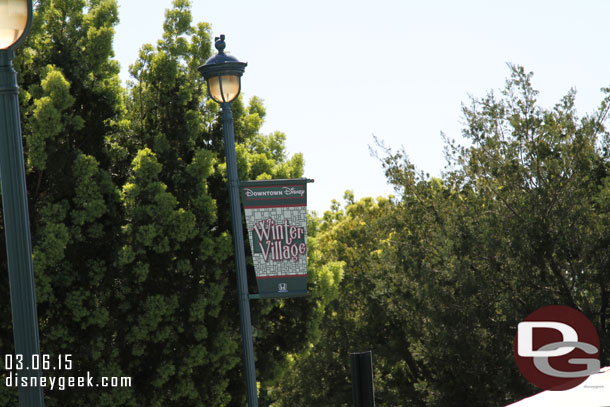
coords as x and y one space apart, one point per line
223 74
15 22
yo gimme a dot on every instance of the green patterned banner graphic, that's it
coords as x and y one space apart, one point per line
276 216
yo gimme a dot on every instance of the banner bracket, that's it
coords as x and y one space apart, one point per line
305 180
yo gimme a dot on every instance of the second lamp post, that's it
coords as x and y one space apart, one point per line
223 75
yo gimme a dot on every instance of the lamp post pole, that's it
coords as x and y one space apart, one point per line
223 75
15 215
240 255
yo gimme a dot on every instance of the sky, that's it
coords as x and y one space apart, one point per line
335 74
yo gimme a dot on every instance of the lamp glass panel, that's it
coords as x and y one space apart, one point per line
230 88
13 19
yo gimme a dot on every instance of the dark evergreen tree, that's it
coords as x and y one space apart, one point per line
127 192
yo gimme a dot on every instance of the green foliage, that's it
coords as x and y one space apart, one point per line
133 254
436 281
128 206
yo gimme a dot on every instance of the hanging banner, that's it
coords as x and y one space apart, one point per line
276 217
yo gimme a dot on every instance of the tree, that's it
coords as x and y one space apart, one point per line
349 250
74 205
128 206
437 282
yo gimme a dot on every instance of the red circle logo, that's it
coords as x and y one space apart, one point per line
556 348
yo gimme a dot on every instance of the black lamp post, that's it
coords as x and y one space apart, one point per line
15 22
223 75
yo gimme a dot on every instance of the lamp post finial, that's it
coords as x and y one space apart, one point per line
220 43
